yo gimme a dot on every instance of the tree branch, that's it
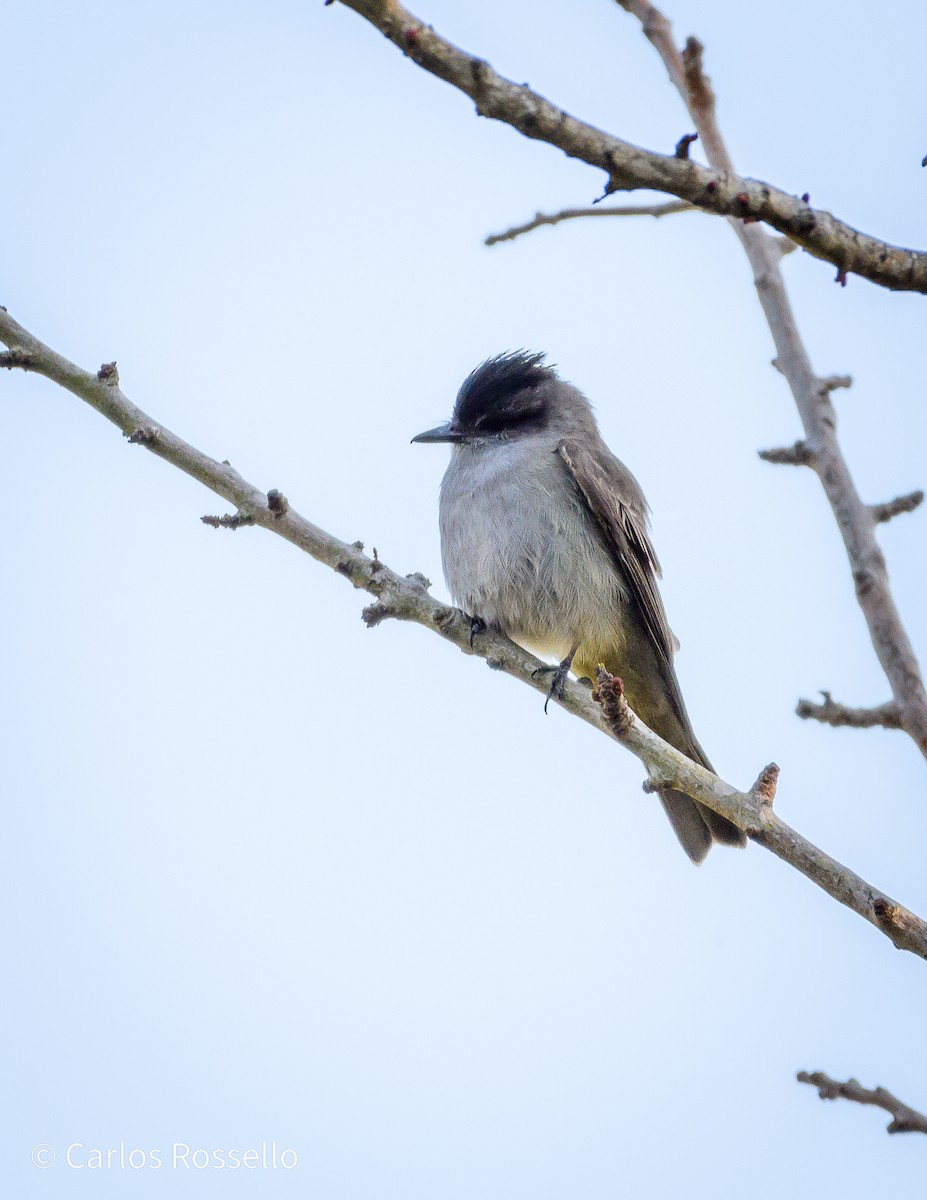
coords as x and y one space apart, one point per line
831 713
406 597
571 214
904 1119
820 449
628 167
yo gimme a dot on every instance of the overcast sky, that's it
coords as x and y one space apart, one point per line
271 877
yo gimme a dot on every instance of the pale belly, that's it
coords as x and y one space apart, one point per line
521 552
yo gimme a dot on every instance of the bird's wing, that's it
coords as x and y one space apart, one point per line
617 504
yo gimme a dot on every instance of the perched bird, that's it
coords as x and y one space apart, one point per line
544 536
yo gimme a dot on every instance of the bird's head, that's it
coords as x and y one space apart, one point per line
509 396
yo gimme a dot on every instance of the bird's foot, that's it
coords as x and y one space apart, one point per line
560 674
477 626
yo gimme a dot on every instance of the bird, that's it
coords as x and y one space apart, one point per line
545 537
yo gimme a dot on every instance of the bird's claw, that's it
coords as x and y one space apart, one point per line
477 625
560 673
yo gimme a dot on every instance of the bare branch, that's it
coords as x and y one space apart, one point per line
904 1118
628 167
886 716
894 508
811 393
406 597
571 214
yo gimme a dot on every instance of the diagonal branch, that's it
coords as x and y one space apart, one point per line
629 167
904 1118
571 214
406 597
820 449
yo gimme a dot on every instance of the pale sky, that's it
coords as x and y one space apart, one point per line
275 878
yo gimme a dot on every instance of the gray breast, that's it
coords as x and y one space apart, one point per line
520 549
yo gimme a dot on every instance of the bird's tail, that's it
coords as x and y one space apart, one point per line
696 826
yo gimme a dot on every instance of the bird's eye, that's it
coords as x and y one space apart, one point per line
503 422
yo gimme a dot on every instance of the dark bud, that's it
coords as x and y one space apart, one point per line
277 502
682 146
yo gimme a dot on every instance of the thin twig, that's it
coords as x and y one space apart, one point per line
799 455
628 167
811 393
904 1118
571 214
407 598
885 716
894 508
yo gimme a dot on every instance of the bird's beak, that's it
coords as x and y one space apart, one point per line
440 433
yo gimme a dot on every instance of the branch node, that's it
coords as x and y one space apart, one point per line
764 790
145 435
17 358
608 693
277 503
894 508
799 455
831 383
373 614
229 520
886 913
443 617
682 146
419 580
108 374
